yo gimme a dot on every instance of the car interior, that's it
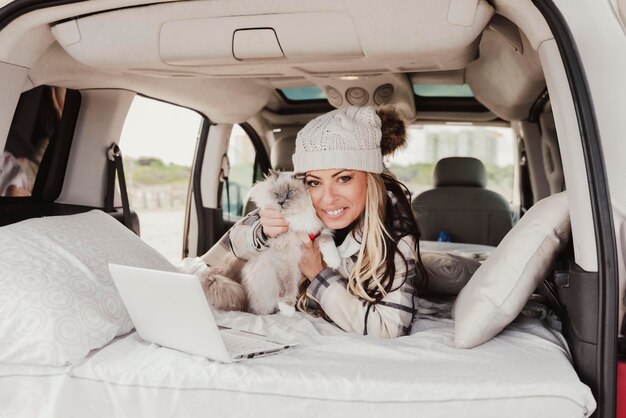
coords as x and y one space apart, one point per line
72 69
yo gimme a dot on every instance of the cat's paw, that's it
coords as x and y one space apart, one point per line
332 259
286 309
194 265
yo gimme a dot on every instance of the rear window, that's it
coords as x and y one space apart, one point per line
158 142
427 144
443 90
34 127
299 94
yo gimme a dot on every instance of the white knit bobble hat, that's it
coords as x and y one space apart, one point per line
344 138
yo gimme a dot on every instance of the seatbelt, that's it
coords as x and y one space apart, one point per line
224 172
114 157
621 341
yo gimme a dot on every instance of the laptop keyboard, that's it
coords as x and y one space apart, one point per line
236 344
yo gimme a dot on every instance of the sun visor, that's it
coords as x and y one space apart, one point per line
267 37
507 78
231 38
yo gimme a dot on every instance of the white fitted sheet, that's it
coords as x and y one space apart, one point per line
525 371
477 251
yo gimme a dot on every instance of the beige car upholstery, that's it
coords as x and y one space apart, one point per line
461 206
283 150
280 157
552 165
507 77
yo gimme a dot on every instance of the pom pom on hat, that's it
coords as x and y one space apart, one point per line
393 130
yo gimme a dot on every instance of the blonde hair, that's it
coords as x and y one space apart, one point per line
364 280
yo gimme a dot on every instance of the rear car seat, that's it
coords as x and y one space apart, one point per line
282 151
280 157
460 205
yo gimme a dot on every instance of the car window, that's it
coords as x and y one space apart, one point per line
443 90
299 94
242 158
427 144
158 143
34 127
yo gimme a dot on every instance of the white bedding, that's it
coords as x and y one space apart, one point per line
477 251
523 372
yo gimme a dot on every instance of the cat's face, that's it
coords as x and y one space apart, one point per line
282 191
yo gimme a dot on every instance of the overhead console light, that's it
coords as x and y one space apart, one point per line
357 96
334 96
383 94
384 89
349 77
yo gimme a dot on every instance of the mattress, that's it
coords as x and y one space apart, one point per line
525 371
477 251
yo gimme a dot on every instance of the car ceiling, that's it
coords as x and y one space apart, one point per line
193 53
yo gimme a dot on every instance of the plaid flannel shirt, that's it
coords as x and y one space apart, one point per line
244 240
389 318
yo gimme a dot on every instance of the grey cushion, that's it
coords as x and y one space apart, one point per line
448 273
459 171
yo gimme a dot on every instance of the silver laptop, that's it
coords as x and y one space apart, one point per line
170 309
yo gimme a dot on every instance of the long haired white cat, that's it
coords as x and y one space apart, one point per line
269 281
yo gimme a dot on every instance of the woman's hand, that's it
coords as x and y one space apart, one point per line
15 191
273 222
311 261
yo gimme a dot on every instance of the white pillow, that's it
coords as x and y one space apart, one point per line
58 300
501 286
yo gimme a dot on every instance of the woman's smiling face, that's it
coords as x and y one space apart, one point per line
338 195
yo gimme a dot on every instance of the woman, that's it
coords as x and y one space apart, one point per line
340 155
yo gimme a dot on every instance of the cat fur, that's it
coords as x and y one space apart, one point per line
269 281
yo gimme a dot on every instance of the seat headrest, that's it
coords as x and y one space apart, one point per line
281 153
459 172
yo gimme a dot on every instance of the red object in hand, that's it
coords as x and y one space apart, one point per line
313 236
